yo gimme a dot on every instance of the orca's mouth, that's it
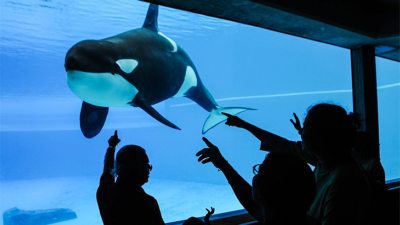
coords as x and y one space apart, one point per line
91 68
120 66
68 66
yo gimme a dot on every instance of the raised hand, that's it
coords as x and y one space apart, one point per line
211 154
113 141
233 120
296 125
207 217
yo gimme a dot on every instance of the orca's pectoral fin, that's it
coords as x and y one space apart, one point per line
92 119
140 102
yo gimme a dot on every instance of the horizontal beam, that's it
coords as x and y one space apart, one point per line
272 18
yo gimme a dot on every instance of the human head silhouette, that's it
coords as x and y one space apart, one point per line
284 185
328 127
193 221
132 164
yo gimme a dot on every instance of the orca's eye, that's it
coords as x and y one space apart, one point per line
127 65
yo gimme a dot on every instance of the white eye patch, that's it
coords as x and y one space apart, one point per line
127 65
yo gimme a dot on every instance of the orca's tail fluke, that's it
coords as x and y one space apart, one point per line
216 116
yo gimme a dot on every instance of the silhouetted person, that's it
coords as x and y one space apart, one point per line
282 191
366 148
197 221
328 136
124 201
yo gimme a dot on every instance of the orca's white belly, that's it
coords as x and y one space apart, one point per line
101 89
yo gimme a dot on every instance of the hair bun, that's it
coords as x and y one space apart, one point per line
354 120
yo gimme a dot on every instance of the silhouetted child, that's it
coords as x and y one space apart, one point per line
124 201
197 221
285 189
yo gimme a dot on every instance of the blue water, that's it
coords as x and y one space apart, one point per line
240 65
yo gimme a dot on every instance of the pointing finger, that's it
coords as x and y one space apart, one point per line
115 133
208 143
227 114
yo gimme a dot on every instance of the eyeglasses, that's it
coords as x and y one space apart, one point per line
150 167
256 168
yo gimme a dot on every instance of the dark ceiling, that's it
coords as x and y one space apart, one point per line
345 23
376 19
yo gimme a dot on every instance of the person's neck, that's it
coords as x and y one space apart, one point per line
126 182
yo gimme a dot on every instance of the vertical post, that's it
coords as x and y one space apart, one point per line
365 98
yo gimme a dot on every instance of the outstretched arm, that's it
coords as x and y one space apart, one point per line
241 188
207 217
109 158
107 178
243 192
237 122
269 141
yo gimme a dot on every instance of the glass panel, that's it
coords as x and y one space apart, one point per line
388 82
47 163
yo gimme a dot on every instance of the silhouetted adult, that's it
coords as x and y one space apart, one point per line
124 201
282 191
366 148
328 135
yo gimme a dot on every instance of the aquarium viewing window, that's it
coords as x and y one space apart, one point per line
47 163
388 82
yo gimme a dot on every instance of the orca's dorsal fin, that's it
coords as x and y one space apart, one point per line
151 18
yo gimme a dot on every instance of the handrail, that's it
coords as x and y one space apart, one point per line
243 217
393 183
227 218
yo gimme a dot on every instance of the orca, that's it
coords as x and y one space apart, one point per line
137 68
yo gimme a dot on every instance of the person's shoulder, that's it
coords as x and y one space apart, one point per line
347 171
372 162
349 175
106 180
147 196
